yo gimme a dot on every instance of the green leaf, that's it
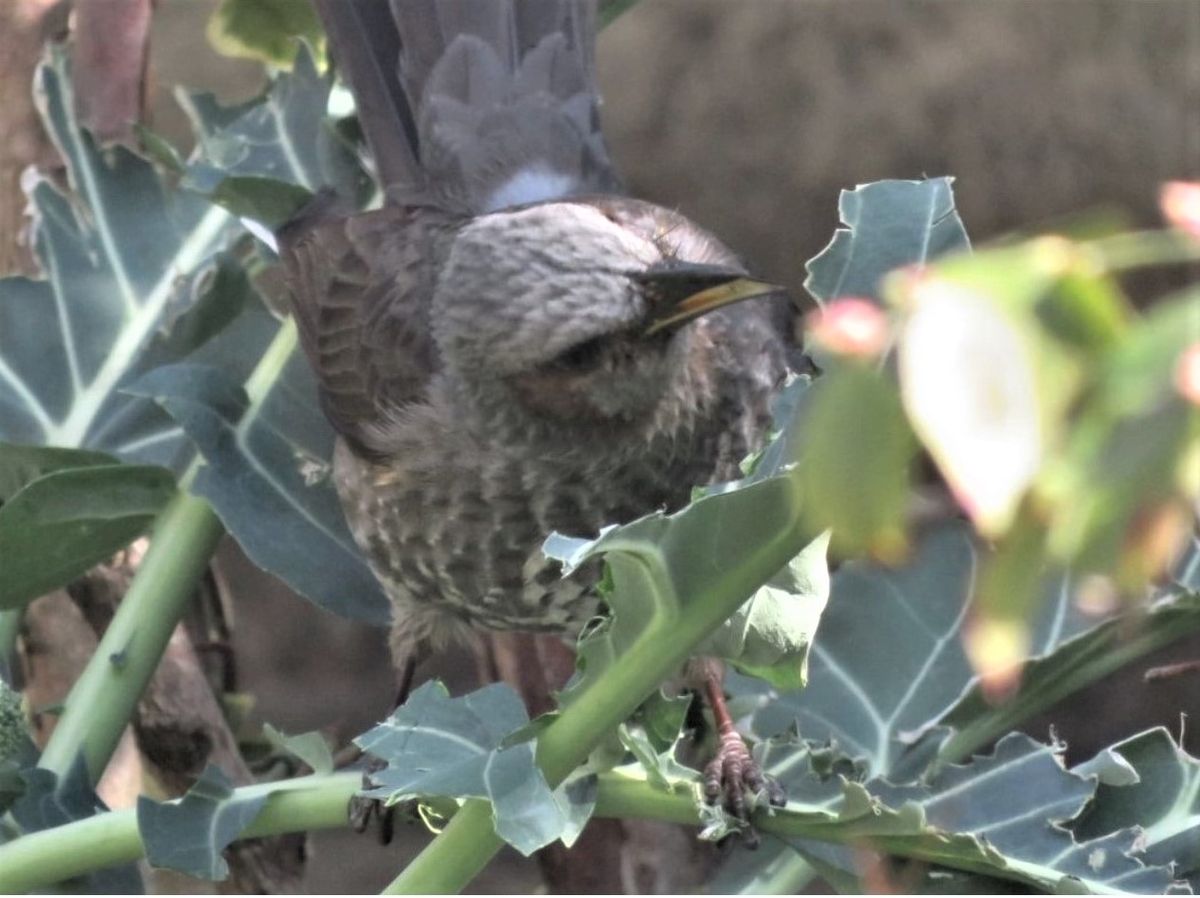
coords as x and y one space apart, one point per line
1000 815
663 565
888 663
265 30
888 224
887 658
121 259
267 476
58 524
21 465
264 158
435 745
855 469
311 748
188 836
1160 796
769 637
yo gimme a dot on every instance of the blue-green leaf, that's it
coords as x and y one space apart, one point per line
188 836
888 224
435 745
267 477
122 257
58 524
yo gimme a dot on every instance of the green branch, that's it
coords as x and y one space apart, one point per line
38 860
102 700
185 536
41 859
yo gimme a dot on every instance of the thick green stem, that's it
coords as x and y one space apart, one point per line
41 859
38 860
101 702
1143 249
185 536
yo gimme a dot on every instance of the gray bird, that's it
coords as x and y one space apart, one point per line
509 347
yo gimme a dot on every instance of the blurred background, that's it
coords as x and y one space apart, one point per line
750 117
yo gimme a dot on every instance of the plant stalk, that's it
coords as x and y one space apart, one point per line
38 860
102 701
185 536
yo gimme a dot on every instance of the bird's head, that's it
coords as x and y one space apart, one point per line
580 310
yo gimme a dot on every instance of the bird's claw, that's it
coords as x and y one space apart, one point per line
732 776
371 813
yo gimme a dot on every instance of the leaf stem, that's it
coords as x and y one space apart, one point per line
1143 249
101 702
185 536
40 859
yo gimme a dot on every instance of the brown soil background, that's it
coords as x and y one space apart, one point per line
750 116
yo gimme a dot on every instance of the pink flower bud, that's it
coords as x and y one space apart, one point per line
1187 374
851 326
1180 204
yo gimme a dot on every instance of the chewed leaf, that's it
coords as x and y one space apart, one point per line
889 224
1159 793
121 260
262 159
1004 815
189 836
435 745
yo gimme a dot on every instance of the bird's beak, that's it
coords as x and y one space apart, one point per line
677 294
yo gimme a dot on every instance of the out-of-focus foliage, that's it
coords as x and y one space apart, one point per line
266 30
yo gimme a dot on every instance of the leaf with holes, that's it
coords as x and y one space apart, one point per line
1156 790
122 258
888 224
888 664
435 745
188 836
263 159
1003 814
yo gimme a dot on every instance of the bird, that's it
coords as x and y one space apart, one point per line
511 346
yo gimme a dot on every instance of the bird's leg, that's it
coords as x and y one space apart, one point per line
733 773
364 812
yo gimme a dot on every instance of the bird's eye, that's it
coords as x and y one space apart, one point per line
581 356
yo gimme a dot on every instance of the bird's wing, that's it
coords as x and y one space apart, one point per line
360 295
475 104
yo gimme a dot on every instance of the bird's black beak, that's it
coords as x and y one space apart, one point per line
677 292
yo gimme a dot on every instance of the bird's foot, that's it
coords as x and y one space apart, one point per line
735 780
371 813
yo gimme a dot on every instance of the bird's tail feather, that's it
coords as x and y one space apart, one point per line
476 103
